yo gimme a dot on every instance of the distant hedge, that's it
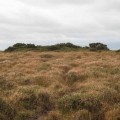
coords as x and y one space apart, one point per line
98 46
61 47
23 46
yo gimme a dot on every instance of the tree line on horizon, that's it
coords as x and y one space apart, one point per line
61 46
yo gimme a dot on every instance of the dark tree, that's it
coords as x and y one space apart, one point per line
98 46
19 45
10 49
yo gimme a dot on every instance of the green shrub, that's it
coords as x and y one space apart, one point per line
78 102
118 50
10 49
98 46
23 46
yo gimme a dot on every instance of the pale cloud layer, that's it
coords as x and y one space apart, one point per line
54 21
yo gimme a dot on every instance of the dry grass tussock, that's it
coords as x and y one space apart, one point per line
60 85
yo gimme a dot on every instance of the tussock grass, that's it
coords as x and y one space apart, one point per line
7 111
74 85
82 115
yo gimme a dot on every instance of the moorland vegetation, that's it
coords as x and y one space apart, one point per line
59 85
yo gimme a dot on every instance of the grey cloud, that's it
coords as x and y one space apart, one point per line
52 21
58 2
71 1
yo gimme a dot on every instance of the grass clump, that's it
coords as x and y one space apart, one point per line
34 100
46 56
78 102
82 115
113 114
5 85
110 96
53 115
29 101
25 115
72 77
44 67
7 111
111 71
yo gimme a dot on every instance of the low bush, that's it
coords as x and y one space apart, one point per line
98 46
61 46
78 102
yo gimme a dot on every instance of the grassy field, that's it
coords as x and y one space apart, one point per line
60 85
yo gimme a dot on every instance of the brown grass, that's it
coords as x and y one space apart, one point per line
60 85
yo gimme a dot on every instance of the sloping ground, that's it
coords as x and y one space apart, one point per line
60 86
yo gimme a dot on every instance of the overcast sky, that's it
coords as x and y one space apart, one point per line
54 21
